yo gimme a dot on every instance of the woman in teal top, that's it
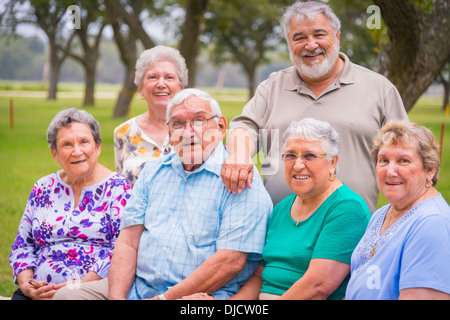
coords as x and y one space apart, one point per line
313 232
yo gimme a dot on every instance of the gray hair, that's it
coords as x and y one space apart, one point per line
149 57
315 130
65 118
181 96
308 10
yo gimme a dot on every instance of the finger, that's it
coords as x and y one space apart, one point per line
225 173
249 179
234 180
243 175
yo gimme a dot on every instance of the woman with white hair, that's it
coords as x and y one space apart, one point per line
72 217
313 232
161 72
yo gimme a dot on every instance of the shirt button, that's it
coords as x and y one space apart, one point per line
164 249
173 226
159 273
180 203
185 179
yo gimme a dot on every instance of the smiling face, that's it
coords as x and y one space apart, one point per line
160 84
307 179
314 47
76 151
401 176
195 144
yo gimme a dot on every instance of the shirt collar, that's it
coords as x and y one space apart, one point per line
212 164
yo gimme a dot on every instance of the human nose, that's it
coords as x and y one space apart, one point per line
391 169
311 44
299 163
77 149
189 129
161 82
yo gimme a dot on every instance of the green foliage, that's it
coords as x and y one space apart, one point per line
26 156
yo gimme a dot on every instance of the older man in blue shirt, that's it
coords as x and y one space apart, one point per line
183 232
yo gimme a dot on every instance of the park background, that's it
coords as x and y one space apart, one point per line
233 47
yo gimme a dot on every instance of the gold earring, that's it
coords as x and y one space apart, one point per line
141 97
333 176
428 184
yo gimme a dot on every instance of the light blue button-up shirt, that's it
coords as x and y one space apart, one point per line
188 216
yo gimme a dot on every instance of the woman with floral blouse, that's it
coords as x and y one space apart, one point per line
72 217
161 72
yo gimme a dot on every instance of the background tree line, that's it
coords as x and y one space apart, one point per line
411 46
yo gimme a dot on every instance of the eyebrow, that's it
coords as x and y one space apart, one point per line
315 31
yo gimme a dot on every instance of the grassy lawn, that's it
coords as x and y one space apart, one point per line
25 155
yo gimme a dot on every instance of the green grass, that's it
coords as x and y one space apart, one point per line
25 156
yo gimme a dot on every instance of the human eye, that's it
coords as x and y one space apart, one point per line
309 156
289 157
382 161
198 122
177 124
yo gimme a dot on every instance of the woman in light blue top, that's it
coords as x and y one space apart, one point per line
405 251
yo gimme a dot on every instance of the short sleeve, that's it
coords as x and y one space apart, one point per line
342 231
134 211
245 218
426 258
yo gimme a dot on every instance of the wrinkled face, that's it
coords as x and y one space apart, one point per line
194 132
310 176
76 151
313 46
400 173
160 84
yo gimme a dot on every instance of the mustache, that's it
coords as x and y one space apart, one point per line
313 53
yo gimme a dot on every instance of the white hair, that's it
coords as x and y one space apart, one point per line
308 10
182 95
315 130
160 53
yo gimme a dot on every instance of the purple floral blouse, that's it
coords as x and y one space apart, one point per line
64 243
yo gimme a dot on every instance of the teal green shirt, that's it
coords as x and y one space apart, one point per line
331 232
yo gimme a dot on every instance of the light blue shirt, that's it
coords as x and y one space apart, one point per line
188 217
413 253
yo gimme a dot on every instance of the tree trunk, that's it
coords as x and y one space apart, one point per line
55 66
190 32
89 86
446 85
127 47
122 107
419 45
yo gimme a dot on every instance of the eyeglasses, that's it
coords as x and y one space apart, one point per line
306 157
197 123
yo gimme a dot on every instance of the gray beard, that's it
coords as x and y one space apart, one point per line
318 70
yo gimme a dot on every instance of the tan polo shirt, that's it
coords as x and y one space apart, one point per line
357 104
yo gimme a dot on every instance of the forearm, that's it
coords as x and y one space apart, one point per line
240 143
211 275
251 289
321 279
123 263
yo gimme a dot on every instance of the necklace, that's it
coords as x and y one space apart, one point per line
390 221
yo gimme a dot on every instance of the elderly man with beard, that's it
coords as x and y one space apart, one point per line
323 84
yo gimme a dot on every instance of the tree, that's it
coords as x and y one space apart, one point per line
129 12
127 45
90 18
47 15
446 84
244 32
419 44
